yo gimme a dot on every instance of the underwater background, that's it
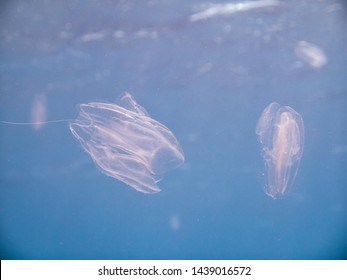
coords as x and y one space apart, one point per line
206 70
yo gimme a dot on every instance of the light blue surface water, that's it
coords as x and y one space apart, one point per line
207 80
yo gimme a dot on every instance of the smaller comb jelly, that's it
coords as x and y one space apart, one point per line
280 131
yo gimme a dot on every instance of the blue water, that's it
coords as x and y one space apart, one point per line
208 81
